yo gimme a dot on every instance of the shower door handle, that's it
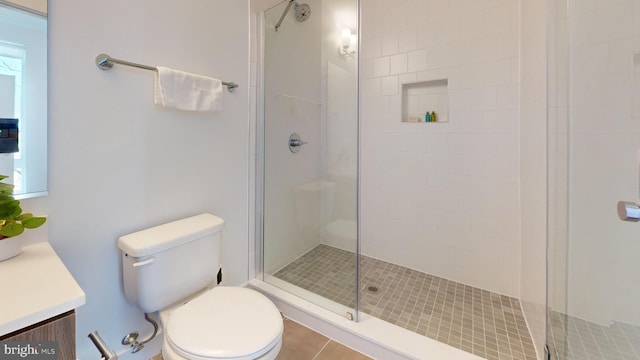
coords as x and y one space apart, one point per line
295 142
628 211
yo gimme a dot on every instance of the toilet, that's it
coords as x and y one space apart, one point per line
173 269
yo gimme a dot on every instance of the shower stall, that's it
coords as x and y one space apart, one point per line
436 166
363 199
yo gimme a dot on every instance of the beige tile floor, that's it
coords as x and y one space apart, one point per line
302 343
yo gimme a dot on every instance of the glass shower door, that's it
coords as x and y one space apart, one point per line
309 152
594 162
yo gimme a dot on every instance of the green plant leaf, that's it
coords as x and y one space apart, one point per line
6 188
25 216
17 211
34 222
11 229
12 220
9 209
6 203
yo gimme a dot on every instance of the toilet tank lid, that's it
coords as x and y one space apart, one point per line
159 238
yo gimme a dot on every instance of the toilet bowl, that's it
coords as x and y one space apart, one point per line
172 269
223 323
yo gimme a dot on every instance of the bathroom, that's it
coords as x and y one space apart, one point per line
117 164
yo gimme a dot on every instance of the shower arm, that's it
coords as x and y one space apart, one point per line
286 11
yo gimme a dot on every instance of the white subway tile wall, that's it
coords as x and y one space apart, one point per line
443 198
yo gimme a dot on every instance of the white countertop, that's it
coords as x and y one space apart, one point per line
35 287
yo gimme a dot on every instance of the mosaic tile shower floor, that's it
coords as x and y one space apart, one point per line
487 324
572 338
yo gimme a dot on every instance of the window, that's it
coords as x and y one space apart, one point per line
12 57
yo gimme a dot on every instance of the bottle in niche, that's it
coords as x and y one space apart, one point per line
427 117
434 117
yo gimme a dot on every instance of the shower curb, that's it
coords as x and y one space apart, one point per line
371 336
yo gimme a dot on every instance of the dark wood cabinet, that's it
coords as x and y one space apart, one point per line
61 328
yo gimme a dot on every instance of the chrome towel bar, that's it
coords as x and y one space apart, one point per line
105 62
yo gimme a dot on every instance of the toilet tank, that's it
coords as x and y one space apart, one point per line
167 263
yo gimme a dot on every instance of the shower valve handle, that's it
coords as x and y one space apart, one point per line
295 142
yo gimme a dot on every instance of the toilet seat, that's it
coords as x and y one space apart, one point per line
231 323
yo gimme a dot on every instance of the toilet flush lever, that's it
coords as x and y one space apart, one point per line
144 262
628 211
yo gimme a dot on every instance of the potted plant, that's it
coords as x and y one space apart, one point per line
13 222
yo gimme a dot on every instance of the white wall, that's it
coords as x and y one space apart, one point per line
118 163
533 167
443 198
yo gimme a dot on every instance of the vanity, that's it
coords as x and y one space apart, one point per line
39 298
38 294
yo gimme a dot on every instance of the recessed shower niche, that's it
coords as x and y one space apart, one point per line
422 99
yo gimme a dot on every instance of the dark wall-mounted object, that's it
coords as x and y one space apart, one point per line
8 135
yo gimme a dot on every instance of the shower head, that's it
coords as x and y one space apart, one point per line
302 12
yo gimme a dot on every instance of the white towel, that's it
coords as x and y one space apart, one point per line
185 91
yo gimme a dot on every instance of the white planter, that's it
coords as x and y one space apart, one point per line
10 247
